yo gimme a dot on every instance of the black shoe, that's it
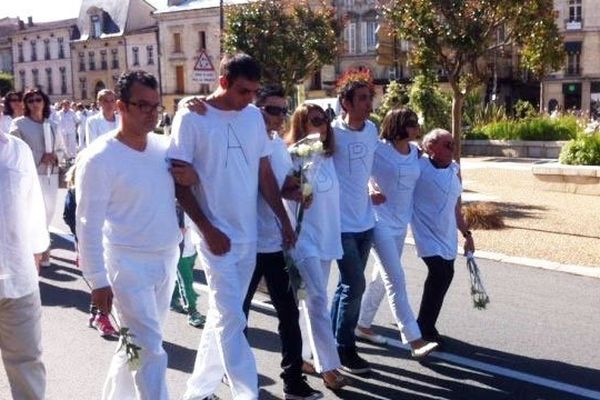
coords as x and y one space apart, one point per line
352 362
298 389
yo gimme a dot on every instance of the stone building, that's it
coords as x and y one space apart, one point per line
116 35
577 85
8 26
42 56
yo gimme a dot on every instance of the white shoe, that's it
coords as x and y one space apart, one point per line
373 338
423 351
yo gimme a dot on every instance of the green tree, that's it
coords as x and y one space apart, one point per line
289 38
430 102
6 83
457 35
395 96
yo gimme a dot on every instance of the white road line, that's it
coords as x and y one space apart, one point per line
452 358
473 364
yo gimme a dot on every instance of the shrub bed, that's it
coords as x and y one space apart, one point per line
536 129
584 150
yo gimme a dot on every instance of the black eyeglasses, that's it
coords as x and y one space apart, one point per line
146 108
318 121
276 111
35 100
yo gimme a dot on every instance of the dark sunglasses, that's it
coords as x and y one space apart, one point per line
35 100
318 121
13 99
276 111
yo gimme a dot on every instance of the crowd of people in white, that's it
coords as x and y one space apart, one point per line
226 165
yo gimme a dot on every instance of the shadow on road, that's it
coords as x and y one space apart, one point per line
53 296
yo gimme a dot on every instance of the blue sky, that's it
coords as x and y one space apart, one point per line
49 10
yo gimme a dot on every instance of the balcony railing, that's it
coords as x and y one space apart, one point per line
573 71
573 25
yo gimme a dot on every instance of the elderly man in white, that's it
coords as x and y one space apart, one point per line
23 234
106 120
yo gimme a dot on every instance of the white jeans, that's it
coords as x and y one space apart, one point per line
21 345
315 313
223 347
388 254
49 184
70 143
372 298
142 285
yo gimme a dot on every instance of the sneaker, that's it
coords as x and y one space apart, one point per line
370 336
178 308
298 389
103 325
333 380
352 362
196 319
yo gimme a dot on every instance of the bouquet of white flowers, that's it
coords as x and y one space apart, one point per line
478 293
307 156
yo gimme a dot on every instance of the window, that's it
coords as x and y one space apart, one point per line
20 52
103 62
350 37
61 47
150 54
372 35
176 42
81 61
92 60
575 10
36 77
83 88
33 50
202 40
179 79
46 49
115 58
136 56
23 80
96 26
63 80
49 86
573 64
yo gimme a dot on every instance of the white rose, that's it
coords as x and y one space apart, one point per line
306 189
317 146
303 150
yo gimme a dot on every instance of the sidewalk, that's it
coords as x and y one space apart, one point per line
562 228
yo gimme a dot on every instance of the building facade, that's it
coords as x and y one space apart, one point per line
8 26
577 85
116 35
42 57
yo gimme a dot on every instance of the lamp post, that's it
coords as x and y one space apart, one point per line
221 25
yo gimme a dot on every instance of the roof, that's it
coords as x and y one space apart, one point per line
188 5
119 17
46 26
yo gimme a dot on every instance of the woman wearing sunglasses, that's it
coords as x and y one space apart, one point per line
13 108
319 243
395 173
36 129
437 217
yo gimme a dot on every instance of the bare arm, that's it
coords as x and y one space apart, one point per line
270 191
218 242
462 225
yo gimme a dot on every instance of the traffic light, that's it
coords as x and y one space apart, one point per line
386 45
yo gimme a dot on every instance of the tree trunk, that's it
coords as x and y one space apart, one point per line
457 106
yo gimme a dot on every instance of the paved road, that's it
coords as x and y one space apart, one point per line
537 340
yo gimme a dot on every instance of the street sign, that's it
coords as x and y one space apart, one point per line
204 71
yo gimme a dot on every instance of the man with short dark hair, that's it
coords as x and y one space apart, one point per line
128 234
229 150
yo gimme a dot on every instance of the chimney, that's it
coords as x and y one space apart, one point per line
29 21
21 23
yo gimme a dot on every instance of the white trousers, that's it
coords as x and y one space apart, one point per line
21 345
142 285
388 248
223 347
315 313
372 298
49 184
70 144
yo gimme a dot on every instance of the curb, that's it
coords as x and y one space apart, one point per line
580 270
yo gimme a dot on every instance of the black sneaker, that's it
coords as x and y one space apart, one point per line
352 362
298 389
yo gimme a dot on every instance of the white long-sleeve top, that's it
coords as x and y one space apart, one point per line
125 201
22 219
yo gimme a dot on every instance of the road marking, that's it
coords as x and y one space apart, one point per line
473 364
452 358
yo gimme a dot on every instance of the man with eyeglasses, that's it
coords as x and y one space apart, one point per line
228 148
128 234
104 121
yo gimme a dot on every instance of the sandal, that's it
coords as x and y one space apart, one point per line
333 380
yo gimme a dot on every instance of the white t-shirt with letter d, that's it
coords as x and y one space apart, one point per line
225 148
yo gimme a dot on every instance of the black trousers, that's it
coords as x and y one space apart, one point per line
438 281
272 267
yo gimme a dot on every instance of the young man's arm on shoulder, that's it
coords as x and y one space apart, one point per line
269 189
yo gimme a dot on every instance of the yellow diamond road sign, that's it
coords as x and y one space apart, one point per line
204 71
